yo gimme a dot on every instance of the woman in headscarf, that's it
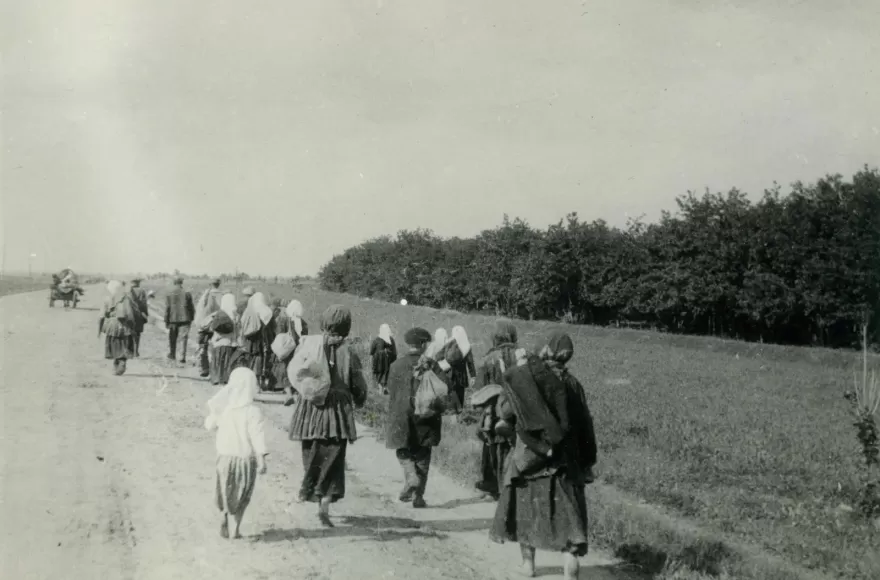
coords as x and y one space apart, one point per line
496 445
240 444
258 332
288 321
118 319
441 338
459 359
383 350
325 431
227 355
542 504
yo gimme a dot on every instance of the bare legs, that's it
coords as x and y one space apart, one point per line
528 560
224 526
324 512
571 564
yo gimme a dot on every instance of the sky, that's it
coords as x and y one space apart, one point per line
205 137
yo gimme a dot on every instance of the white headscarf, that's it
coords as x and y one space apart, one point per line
114 287
239 392
257 303
228 305
461 338
294 312
440 340
385 333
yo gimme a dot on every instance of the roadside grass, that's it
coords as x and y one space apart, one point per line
19 284
716 457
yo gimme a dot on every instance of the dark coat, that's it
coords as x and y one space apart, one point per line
179 307
402 429
139 298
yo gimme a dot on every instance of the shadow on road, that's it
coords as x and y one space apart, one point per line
451 505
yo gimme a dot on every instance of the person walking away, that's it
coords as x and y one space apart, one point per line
290 322
142 312
179 315
117 324
240 444
257 334
542 503
227 354
458 360
435 348
411 438
383 351
326 430
501 357
207 305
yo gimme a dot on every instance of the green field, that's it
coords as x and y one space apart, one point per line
745 454
19 284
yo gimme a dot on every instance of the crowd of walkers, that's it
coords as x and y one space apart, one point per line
538 442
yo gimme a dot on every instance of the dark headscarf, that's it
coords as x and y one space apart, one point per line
336 320
503 333
559 348
417 337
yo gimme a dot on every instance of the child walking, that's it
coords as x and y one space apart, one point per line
241 445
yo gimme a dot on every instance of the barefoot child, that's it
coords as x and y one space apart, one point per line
241 446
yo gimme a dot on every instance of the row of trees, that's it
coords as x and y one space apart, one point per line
801 268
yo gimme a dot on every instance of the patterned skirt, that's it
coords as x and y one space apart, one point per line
118 347
548 513
236 477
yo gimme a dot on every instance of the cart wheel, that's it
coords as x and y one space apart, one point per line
75 300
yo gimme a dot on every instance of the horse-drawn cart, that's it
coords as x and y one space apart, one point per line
65 287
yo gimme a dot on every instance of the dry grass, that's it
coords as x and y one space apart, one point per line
19 284
743 450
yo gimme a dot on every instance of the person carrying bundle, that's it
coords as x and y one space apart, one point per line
207 305
417 389
117 324
227 354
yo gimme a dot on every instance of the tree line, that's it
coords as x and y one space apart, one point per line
798 268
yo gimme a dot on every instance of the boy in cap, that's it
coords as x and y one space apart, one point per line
179 314
412 439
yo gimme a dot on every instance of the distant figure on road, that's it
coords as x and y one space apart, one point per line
412 438
288 321
542 504
142 311
457 359
207 305
179 315
228 355
117 324
326 430
257 334
383 350
240 444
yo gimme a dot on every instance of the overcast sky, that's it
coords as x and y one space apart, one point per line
205 136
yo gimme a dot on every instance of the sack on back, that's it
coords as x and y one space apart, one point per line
308 371
431 396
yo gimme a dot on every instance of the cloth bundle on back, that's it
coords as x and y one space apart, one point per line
257 335
241 445
227 356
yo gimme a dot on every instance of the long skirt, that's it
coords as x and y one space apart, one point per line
279 372
236 477
323 469
225 360
548 513
118 349
492 467
381 366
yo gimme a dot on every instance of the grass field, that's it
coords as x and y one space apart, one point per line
725 455
19 284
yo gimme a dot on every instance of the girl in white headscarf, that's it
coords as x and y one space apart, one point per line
458 360
226 354
258 332
383 350
241 446
436 347
117 323
289 321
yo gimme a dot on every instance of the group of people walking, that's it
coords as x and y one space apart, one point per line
538 441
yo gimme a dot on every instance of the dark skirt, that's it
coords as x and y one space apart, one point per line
492 467
279 373
225 360
118 347
236 477
323 469
381 366
548 513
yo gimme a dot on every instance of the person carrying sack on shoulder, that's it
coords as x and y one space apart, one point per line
415 418
327 374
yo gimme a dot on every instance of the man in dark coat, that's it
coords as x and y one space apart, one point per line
179 314
142 313
412 439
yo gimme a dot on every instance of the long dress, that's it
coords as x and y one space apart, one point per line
279 366
544 506
119 332
326 431
496 446
384 355
461 370
259 351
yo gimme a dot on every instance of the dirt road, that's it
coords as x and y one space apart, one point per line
112 477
